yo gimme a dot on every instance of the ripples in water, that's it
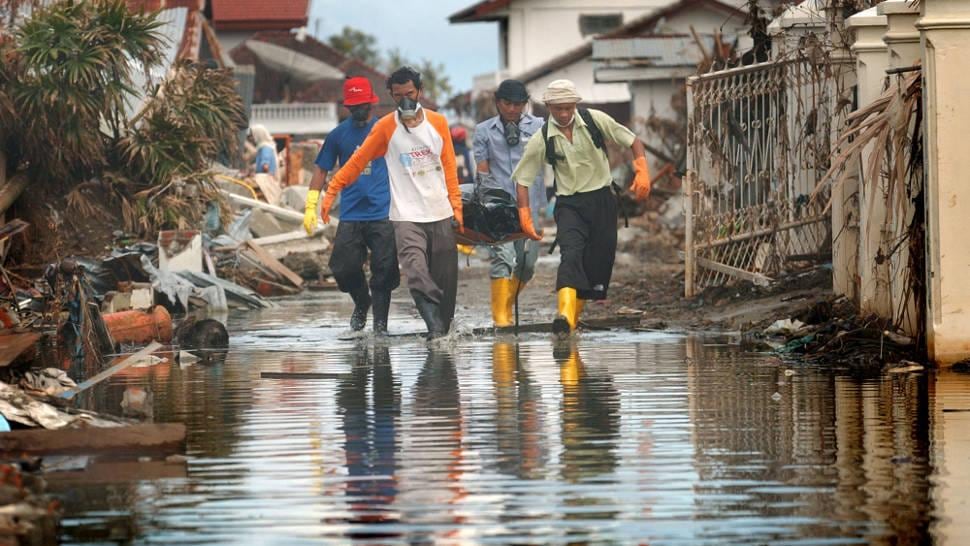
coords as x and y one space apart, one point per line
611 438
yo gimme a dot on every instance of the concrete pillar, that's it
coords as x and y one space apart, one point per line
902 37
872 60
945 29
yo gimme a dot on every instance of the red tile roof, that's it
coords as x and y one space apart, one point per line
259 14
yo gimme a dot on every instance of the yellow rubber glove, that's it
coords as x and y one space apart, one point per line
310 214
328 200
641 182
525 220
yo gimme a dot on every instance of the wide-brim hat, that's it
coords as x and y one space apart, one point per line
561 92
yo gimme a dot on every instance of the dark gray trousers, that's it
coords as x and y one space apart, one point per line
350 246
428 258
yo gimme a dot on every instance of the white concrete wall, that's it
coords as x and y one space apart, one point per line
653 98
540 30
581 73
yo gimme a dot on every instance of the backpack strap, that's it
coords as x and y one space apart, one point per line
595 133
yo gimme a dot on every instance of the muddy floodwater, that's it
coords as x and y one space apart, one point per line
613 438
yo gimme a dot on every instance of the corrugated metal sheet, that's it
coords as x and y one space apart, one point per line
653 50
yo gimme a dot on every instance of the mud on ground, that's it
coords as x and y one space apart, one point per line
648 281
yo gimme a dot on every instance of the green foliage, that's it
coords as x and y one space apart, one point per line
363 47
357 44
67 82
193 119
67 74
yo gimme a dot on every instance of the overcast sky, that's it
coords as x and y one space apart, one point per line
419 28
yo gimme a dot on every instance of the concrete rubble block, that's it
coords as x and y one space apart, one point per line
294 197
180 250
264 224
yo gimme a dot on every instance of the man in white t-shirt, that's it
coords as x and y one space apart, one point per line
425 199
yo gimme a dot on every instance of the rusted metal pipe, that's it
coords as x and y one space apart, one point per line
139 326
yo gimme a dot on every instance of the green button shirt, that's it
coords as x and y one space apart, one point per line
585 167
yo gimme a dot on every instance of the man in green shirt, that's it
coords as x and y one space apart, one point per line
586 207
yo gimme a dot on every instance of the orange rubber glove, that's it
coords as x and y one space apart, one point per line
328 199
525 220
641 182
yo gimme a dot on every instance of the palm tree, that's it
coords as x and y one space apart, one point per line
67 78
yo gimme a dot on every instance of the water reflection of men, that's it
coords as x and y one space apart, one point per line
431 473
590 417
371 437
518 425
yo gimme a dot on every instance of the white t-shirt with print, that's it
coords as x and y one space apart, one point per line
418 190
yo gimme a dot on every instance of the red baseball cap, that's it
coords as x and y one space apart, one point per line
357 90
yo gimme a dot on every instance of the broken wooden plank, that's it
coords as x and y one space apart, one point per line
275 265
13 345
124 363
115 471
156 437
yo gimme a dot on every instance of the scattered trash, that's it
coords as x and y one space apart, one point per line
49 381
786 327
125 362
906 366
629 311
776 397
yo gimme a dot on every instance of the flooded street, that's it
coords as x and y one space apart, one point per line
615 437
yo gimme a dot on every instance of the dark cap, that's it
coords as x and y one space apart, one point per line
512 91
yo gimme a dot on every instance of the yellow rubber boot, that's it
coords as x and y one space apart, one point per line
568 311
503 364
570 371
517 288
502 302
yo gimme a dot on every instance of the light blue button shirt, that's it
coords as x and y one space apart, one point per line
490 145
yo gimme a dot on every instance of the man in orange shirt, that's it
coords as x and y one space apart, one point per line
425 199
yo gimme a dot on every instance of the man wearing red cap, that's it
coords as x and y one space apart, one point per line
364 208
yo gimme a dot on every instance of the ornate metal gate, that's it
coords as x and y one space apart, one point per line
759 139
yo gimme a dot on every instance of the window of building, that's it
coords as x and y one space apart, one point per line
600 23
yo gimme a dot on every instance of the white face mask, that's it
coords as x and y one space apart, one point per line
567 124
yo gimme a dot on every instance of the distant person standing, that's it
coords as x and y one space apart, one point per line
266 161
266 164
364 226
499 144
574 143
425 198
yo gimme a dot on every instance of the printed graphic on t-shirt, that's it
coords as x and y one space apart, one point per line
420 161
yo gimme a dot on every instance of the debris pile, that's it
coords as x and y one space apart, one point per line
831 332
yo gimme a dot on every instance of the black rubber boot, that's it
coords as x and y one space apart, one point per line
382 305
430 313
358 319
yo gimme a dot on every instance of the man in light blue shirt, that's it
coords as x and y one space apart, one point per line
499 143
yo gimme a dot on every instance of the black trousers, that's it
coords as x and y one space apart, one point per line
586 232
350 246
